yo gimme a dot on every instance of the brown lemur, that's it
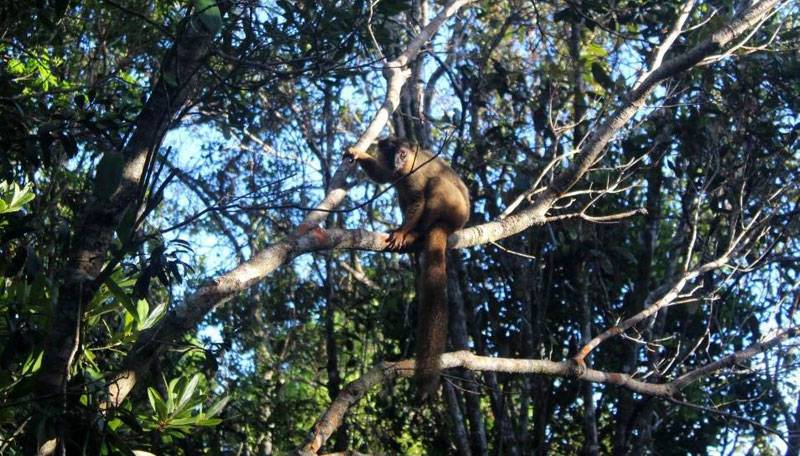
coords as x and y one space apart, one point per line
435 203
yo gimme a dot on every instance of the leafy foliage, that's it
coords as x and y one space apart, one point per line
283 88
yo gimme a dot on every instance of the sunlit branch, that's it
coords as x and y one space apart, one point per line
668 41
386 372
669 293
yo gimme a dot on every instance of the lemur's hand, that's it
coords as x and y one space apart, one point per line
398 239
353 155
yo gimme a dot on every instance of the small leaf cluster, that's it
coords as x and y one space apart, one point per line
180 408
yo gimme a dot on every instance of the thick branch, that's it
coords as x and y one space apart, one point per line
98 219
602 135
669 40
151 343
386 372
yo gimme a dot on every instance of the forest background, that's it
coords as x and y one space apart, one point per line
189 266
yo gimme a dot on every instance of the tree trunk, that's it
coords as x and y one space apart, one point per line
98 219
459 339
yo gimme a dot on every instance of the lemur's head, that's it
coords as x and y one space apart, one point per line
398 153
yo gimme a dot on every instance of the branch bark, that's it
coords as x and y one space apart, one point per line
388 371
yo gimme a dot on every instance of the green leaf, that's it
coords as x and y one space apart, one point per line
32 364
183 421
171 391
209 422
142 309
154 316
108 174
217 408
188 391
15 67
595 51
121 296
157 403
209 14
21 197
18 198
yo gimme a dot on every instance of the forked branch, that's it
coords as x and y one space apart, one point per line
386 372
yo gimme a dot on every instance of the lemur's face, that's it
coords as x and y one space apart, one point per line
399 154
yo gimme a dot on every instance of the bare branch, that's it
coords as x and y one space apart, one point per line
716 411
388 371
668 296
736 358
741 45
534 188
359 276
599 218
669 40
605 132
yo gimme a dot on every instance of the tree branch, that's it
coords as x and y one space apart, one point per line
388 371
602 135
396 73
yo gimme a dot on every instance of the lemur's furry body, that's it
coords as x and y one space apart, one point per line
435 203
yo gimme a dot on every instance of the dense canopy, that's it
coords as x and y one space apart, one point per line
188 266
